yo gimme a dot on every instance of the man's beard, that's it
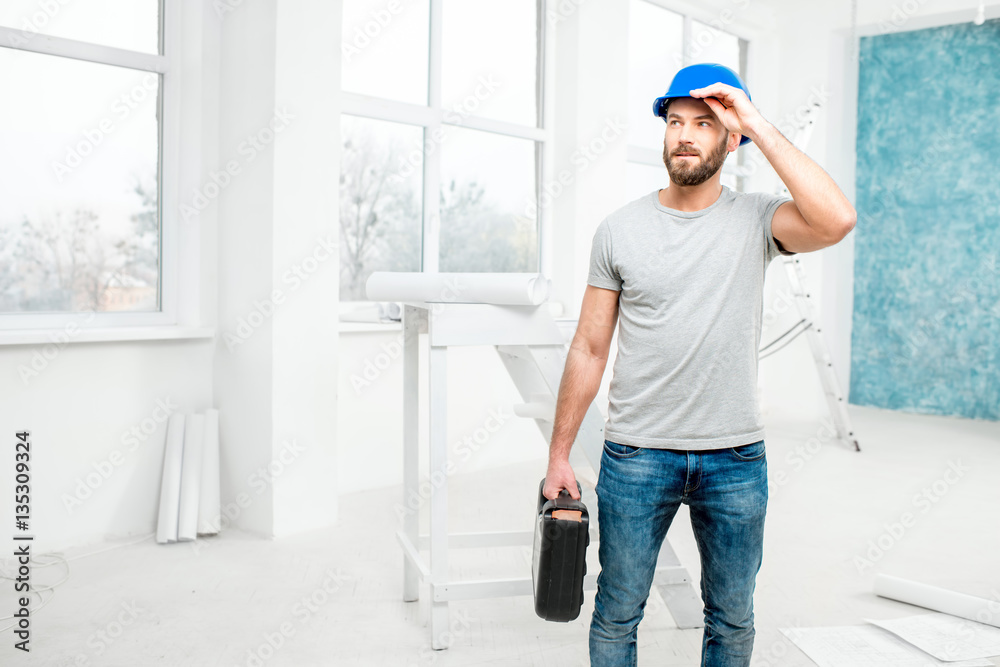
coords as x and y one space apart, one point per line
683 174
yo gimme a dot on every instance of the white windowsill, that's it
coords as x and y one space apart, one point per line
103 334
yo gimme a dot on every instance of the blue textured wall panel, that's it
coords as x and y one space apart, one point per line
926 328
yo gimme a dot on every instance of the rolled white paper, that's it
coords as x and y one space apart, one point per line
194 434
170 484
938 599
512 289
209 502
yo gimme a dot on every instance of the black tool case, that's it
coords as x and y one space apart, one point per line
559 558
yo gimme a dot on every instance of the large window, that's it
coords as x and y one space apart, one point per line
442 137
80 161
661 42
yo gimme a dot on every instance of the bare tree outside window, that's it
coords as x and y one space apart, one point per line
380 208
79 160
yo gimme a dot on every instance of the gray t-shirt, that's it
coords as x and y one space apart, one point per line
690 308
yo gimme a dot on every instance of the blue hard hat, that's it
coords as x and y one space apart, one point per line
699 76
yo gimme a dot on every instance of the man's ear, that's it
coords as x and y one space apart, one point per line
734 141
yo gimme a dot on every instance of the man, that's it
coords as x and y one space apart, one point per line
684 267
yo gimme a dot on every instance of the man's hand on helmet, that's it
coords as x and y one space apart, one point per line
732 106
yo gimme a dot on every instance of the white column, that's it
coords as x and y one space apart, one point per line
278 263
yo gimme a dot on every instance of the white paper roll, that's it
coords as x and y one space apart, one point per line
938 599
514 289
170 484
209 502
194 435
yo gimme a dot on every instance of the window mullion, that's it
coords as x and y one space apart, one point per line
430 247
77 50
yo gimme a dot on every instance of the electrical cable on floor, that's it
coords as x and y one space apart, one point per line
57 559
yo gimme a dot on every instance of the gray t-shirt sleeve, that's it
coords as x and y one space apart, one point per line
602 268
768 205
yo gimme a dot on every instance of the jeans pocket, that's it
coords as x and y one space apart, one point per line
752 452
620 451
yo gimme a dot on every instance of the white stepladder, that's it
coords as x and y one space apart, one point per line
808 322
533 350
821 355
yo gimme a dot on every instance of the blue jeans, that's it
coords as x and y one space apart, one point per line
638 492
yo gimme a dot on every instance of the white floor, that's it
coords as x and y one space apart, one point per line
147 604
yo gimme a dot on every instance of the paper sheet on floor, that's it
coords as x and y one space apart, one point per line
945 636
864 646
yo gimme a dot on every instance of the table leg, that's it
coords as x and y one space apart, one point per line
438 398
411 442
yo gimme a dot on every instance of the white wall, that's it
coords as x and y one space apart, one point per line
80 410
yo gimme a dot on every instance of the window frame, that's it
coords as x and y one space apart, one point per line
433 117
177 297
649 157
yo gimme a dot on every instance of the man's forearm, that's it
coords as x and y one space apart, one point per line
817 196
580 381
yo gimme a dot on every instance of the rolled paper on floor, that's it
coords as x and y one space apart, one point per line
513 289
170 484
939 599
209 501
194 436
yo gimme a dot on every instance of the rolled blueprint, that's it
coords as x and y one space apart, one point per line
514 289
209 501
170 485
939 599
194 436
